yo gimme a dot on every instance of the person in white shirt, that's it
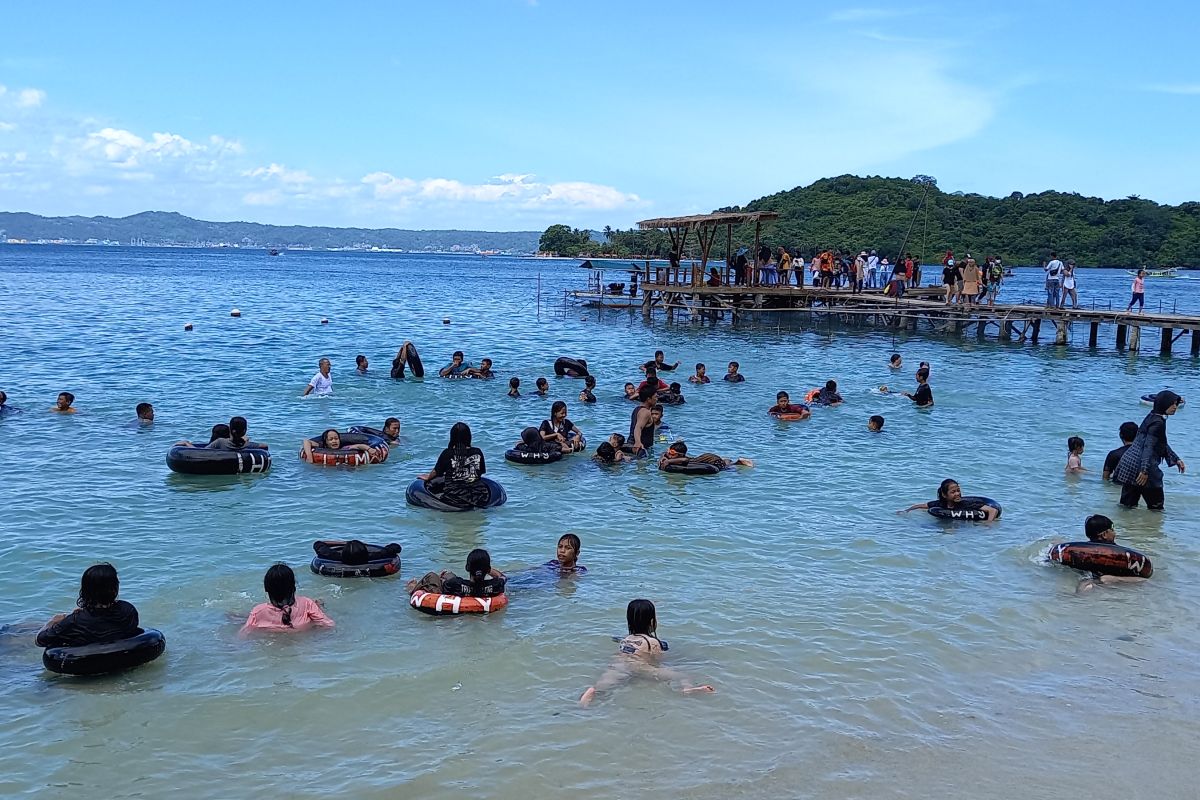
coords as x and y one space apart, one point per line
1054 273
1068 287
322 382
873 271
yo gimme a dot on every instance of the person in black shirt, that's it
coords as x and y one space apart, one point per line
561 430
460 466
924 395
1127 432
481 581
100 617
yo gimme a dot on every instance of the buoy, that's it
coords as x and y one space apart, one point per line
187 326
235 313
324 321
445 320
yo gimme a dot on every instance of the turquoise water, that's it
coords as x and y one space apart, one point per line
856 653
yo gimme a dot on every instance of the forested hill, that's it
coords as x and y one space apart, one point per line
161 227
850 213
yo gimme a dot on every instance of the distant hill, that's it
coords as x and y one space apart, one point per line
163 227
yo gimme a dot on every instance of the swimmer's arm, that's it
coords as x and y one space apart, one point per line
918 506
307 389
428 476
1119 579
306 448
362 448
991 512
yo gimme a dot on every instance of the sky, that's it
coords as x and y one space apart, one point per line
519 114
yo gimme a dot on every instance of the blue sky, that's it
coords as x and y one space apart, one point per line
514 114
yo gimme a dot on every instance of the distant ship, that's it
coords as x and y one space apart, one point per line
1169 272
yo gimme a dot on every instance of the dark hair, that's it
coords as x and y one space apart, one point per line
589 381
1162 401
1074 443
460 435
700 367
676 388
658 353
514 382
280 585
532 439
390 420
483 361
606 452
457 354
557 406
877 420
237 431
1095 525
479 564
3 398
923 365
922 374
679 447
219 431
831 385
640 618
355 552
70 397
572 540
657 407
620 438
360 358
782 394
142 408
540 382
647 392
734 364
944 488
98 587
1128 431
651 370
895 357
325 437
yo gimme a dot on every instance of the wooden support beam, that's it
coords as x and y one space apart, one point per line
1006 329
1060 332
754 256
1135 338
1196 341
1164 347
1093 333
1037 329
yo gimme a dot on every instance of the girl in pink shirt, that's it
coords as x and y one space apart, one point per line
286 611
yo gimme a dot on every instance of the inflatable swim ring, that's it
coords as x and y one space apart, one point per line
381 563
428 495
970 509
101 659
1102 558
447 604
692 468
1148 399
203 461
531 458
570 367
344 457
811 395
670 399
413 359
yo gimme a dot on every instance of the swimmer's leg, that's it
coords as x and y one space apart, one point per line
613 677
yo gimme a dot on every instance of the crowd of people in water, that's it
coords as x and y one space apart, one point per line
101 617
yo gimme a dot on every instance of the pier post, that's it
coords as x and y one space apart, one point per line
1135 338
1093 334
980 329
1006 329
1037 329
646 303
1164 347
1060 332
1196 341
1121 337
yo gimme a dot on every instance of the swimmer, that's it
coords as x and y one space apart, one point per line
895 362
828 396
561 430
484 371
531 441
677 455
652 379
641 427
950 497
1099 528
875 423
322 382
1127 432
353 553
330 440
219 431
923 397
461 467
1075 455
607 454
566 556
99 616
542 386
733 376
360 364
656 421
482 580
631 392
391 430
588 394
400 361
236 440
5 408
145 414
700 377
639 654
62 405
784 405
514 387
925 366
456 368
284 611
659 364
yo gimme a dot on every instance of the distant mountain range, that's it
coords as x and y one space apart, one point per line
170 228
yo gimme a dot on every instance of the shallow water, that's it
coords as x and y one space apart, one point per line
856 653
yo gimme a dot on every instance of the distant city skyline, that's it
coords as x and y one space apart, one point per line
518 114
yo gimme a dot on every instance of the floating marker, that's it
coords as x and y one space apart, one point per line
187 326
445 320
235 312
324 321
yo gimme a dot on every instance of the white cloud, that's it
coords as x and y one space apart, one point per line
518 190
1175 88
30 98
867 14
6 127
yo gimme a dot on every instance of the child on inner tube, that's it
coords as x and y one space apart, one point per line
483 580
1099 528
784 405
330 440
640 654
353 553
457 368
676 455
532 442
100 617
950 497
484 371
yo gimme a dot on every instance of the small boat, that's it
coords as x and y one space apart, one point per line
1008 273
587 265
1169 272
272 252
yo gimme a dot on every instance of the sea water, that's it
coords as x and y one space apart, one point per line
856 653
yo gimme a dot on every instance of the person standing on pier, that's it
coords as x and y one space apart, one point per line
950 277
873 271
1068 287
858 273
1054 273
785 267
995 278
1139 292
970 282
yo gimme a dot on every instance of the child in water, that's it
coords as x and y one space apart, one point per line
733 376
1127 432
639 654
677 455
62 405
588 394
700 377
895 362
631 392
566 556
484 371
285 611
1075 455
514 387
1099 528
875 423
543 387
361 364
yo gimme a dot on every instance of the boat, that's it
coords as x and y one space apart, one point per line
272 252
1169 272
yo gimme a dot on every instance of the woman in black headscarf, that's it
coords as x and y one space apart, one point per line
1138 471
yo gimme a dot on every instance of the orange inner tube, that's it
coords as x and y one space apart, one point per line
433 603
812 395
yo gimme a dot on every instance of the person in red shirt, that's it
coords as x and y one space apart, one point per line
652 379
